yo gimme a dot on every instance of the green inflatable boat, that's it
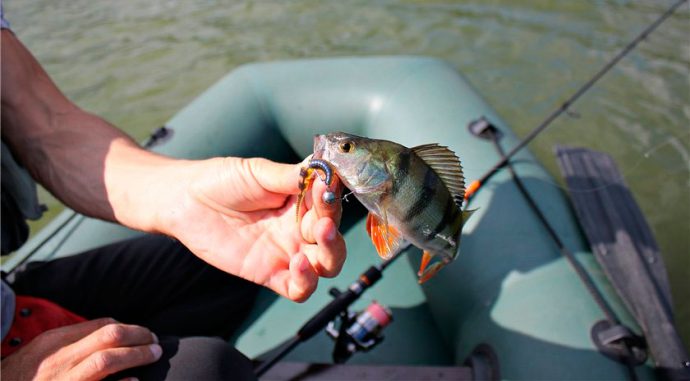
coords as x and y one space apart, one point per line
511 306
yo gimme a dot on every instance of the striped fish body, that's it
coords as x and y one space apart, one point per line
411 193
420 206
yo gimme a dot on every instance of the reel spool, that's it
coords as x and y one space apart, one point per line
358 332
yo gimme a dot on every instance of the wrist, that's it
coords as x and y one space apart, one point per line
172 195
147 191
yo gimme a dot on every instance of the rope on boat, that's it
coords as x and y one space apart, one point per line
72 216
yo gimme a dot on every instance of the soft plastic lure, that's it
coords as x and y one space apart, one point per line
307 179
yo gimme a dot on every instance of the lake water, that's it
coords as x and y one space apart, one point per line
137 62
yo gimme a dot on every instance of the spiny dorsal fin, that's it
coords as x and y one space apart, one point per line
444 162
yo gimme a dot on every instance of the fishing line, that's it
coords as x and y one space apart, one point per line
579 269
345 196
482 128
565 106
627 173
669 141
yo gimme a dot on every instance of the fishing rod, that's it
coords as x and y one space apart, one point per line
475 185
632 345
337 307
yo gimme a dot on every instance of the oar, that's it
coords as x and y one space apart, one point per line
625 247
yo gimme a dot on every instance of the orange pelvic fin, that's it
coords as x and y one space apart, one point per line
386 238
426 258
429 272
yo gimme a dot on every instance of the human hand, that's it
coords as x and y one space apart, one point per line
90 350
236 214
239 215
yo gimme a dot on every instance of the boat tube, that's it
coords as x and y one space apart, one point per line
510 298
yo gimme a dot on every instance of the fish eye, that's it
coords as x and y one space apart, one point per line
347 147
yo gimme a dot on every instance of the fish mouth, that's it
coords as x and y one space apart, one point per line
319 146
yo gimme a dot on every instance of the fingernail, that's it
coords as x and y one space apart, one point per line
156 350
303 265
330 236
155 338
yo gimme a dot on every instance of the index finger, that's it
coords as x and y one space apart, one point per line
75 332
110 336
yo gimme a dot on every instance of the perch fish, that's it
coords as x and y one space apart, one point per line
412 194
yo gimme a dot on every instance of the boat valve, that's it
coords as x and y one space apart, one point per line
358 331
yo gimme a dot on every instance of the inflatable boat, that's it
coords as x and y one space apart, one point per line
511 306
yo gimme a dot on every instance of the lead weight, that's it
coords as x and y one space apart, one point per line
328 197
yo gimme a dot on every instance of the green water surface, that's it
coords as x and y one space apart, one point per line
137 62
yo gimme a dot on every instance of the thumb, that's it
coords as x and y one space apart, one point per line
275 177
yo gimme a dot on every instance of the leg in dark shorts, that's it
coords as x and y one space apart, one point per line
193 358
151 281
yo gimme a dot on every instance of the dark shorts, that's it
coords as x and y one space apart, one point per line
155 282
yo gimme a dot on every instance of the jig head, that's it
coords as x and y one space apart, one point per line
307 178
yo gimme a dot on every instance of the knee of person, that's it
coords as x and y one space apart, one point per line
205 358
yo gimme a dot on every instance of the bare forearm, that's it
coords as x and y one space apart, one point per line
84 161
91 166
236 214
63 155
